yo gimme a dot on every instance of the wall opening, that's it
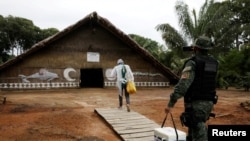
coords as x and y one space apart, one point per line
92 78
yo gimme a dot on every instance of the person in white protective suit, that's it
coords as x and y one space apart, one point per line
122 72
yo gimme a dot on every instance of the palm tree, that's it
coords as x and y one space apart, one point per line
190 24
226 23
191 27
212 21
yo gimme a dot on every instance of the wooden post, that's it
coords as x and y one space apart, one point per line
4 100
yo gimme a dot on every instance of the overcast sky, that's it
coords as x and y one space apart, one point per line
131 16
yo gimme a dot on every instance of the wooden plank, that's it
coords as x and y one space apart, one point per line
123 117
124 114
139 135
141 130
131 126
115 115
141 139
130 121
151 138
110 113
109 110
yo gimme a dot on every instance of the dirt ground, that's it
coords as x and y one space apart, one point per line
68 115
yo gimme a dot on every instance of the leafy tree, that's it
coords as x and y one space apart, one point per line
191 27
173 39
44 33
151 46
166 57
241 17
234 66
189 24
228 24
224 22
19 34
4 43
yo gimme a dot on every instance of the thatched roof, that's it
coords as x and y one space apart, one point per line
103 22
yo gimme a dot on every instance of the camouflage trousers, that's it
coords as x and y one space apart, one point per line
198 133
201 111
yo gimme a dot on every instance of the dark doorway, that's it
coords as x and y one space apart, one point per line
91 78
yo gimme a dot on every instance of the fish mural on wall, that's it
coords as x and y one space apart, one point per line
43 74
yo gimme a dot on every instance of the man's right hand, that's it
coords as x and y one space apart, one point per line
168 110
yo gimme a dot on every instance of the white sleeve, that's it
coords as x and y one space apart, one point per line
130 73
113 72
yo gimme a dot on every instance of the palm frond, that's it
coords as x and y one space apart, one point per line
185 21
171 36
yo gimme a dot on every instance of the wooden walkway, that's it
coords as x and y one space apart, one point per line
131 126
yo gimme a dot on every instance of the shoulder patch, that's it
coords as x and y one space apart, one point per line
186 72
185 75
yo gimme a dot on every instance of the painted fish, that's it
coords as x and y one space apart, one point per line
43 74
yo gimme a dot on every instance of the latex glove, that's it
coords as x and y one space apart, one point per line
124 81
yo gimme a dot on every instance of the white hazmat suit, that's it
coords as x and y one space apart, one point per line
121 82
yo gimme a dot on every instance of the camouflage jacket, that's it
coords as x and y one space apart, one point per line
187 78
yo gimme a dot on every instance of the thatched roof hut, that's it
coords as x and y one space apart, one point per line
82 55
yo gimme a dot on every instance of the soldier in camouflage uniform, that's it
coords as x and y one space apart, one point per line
197 86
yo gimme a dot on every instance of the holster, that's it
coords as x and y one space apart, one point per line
187 119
